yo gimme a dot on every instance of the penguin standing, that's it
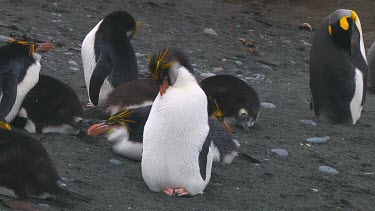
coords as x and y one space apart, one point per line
338 68
26 170
371 67
50 106
19 72
125 131
176 156
108 56
238 101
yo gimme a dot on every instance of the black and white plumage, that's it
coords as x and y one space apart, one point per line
371 67
50 106
176 156
338 68
238 101
125 131
108 56
26 170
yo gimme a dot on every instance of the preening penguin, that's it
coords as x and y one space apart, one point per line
108 56
50 106
176 156
26 170
371 67
19 72
237 100
338 68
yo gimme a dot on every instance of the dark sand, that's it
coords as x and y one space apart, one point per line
279 183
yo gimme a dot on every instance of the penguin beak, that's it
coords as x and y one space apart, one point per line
244 125
44 47
98 129
227 127
5 126
164 86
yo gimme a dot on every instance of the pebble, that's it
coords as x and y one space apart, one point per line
259 77
43 206
89 16
280 152
266 67
68 53
74 68
308 122
206 75
73 63
268 105
327 169
239 63
318 140
70 29
56 21
115 162
315 190
138 54
218 69
210 31
194 65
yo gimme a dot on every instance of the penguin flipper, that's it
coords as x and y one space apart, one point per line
102 70
8 86
203 156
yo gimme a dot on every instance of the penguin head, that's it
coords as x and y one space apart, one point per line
246 119
163 67
340 26
123 20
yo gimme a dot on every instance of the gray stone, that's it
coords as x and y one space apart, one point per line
318 140
218 69
308 122
210 31
73 63
327 169
266 67
56 21
115 162
239 63
206 75
280 152
268 105
43 206
138 54
74 68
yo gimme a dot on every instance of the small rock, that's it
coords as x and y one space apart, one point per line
68 53
206 75
266 67
224 60
318 140
138 54
56 21
280 152
315 190
259 77
115 162
43 206
239 63
143 71
73 63
194 65
74 68
218 69
70 29
210 31
308 122
327 169
89 16
268 105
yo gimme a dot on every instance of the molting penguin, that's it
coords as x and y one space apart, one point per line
338 68
176 156
19 72
238 101
108 56
26 170
50 106
371 67
125 130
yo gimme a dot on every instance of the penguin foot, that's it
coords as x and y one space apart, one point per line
90 105
176 192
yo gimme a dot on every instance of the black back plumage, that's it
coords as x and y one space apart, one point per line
114 53
371 67
15 59
52 103
231 94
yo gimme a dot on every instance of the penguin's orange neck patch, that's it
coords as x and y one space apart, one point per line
5 126
164 86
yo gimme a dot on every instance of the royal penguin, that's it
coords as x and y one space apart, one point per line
26 170
50 106
108 56
19 72
176 157
338 68
371 67
238 101
125 130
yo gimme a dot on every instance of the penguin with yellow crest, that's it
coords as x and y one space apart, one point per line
338 68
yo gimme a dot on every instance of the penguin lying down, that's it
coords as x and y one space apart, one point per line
125 131
26 170
51 106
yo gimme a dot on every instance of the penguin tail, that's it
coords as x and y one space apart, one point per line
248 157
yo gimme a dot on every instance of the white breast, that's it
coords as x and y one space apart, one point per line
355 104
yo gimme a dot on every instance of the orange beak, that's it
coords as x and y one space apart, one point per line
98 129
44 47
164 86
226 126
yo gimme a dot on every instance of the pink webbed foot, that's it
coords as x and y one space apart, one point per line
169 191
176 192
90 105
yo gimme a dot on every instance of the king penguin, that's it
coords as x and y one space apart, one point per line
338 68
26 170
108 56
176 157
371 67
19 72
50 106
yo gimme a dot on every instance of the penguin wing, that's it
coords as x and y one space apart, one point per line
203 156
9 94
102 70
